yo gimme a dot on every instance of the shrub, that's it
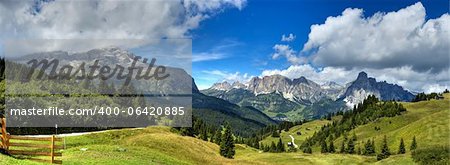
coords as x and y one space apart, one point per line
432 156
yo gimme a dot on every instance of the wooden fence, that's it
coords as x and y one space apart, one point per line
27 142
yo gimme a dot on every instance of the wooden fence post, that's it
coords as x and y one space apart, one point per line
4 134
7 141
53 149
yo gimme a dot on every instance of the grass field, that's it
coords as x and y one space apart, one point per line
157 145
306 130
428 121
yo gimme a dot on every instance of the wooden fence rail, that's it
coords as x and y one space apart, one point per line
23 142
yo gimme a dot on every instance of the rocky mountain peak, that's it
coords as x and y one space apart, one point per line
331 85
364 86
302 79
238 85
362 76
223 86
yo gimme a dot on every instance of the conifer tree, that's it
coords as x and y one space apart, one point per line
342 149
307 150
227 143
385 153
292 149
373 145
275 133
354 137
350 146
204 135
187 131
413 144
212 138
331 148
401 148
273 147
280 146
323 146
218 137
368 148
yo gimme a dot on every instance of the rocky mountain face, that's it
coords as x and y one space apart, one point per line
364 86
299 90
277 95
225 86
332 89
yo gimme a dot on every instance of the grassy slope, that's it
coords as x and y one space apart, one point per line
153 145
428 121
157 145
306 129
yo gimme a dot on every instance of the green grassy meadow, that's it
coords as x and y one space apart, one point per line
427 120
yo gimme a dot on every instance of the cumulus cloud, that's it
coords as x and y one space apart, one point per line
404 76
289 53
383 40
400 47
101 19
288 38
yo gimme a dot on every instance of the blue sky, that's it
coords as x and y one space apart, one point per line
242 40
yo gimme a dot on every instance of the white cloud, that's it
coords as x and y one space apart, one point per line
101 19
227 76
207 57
399 47
383 40
288 38
338 75
435 88
216 52
287 52
208 5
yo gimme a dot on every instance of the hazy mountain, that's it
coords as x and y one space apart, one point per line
179 81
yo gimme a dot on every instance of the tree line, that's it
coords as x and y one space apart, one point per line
369 110
425 97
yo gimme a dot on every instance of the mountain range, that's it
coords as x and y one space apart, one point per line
276 96
289 99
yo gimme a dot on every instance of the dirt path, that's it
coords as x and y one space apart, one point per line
293 143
